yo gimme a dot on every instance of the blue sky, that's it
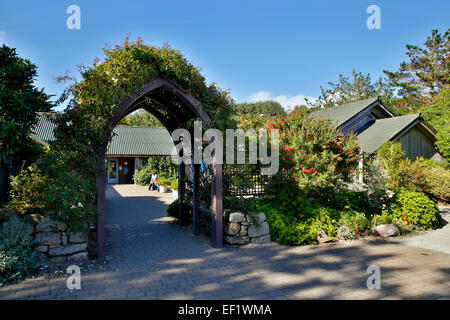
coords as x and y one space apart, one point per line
259 49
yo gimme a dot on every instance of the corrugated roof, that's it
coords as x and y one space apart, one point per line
44 129
384 130
341 114
140 141
130 141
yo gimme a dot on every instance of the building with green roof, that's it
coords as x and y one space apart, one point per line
375 124
126 151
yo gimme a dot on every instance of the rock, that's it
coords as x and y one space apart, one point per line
77 237
61 226
58 259
81 256
387 230
243 231
262 230
237 240
47 225
261 216
236 216
71 248
48 238
43 257
64 238
262 239
42 249
232 228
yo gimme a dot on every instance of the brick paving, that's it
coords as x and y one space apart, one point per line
149 258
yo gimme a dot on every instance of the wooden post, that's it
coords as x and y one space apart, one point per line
361 168
101 222
196 201
181 188
217 207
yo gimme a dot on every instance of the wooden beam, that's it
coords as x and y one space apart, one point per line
196 201
181 190
217 206
101 221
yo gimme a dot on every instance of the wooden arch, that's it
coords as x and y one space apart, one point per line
173 107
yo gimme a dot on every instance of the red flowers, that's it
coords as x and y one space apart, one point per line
328 147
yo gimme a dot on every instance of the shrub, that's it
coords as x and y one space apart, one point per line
174 185
354 220
300 229
172 211
422 175
313 154
17 257
384 218
163 166
416 208
345 233
163 181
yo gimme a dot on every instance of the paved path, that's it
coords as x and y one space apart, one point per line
438 240
152 259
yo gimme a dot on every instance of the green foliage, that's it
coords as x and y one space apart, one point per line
84 128
422 175
354 220
256 115
438 115
163 181
172 211
49 184
17 255
174 185
420 80
140 118
163 166
384 218
314 155
416 208
358 87
19 100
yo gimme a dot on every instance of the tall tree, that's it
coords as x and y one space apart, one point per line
255 115
19 101
439 117
350 89
420 80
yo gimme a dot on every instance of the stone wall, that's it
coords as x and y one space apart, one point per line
57 243
245 228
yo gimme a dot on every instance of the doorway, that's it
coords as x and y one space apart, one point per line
113 171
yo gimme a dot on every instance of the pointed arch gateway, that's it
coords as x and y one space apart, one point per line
174 108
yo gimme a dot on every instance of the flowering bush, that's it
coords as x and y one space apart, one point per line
416 208
314 155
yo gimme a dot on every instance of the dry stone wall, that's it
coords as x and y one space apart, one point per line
242 228
57 243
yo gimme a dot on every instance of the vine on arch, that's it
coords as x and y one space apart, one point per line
68 171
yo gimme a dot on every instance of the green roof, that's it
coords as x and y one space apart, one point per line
43 131
126 141
384 130
341 114
140 141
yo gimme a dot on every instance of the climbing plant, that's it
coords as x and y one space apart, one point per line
84 127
